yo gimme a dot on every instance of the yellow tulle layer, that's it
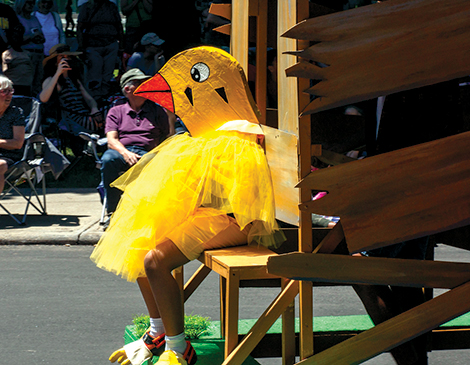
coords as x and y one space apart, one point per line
225 171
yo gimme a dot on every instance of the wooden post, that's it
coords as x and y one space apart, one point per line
239 32
261 57
289 102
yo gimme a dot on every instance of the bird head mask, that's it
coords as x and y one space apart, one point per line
205 86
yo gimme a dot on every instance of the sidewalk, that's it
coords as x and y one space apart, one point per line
73 218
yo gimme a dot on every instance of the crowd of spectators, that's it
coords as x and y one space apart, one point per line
150 36
79 71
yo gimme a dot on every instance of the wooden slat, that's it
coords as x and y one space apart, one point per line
224 29
222 10
397 330
263 324
193 283
398 195
369 270
288 332
385 48
332 240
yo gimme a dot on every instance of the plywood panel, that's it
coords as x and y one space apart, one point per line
399 195
383 48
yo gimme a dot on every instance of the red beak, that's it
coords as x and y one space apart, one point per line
157 90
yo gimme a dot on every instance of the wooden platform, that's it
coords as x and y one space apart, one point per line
328 331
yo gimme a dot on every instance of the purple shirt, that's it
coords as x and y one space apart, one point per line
146 129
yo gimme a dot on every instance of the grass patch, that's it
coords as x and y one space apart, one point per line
195 326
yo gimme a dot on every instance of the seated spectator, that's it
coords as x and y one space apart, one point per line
33 41
12 129
100 35
17 65
149 59
63 84
51 24
8 20
132 128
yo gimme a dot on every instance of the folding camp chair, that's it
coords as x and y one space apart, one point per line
91 149
33 157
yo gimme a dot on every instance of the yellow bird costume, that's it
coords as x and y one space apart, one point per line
184 189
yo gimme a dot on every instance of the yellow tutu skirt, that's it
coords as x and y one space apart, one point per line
219 173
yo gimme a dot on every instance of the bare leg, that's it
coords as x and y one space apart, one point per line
149 299
158 266
3 170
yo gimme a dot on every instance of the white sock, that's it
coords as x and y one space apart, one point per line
156 327
176 343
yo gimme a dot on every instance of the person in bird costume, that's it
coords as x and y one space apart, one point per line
209 189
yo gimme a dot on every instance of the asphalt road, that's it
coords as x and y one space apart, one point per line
57 308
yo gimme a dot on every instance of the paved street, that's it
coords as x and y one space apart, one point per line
57 308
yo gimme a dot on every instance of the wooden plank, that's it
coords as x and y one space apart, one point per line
385 48
369 270
399 195
196 279
316 150
288 332
397 330
252 338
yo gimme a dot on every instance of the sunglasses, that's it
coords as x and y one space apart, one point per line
7 91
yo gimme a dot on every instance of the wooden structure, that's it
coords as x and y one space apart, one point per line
375 50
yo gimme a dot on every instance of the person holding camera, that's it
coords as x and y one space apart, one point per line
63 84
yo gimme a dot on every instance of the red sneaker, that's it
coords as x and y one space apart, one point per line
189 354
156 345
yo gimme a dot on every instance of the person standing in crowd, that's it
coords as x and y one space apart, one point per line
149 56
138 21
8 20
51 24
169 17
33 41
12 129
17 65
132 128
100 34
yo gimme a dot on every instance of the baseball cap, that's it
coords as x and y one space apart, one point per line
151 38
133 74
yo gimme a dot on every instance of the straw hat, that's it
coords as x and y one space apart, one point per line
59 49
